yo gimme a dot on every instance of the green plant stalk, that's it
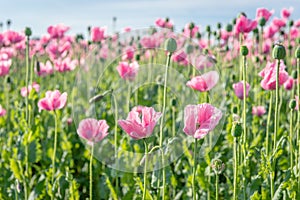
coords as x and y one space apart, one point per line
210 147
298 124
173 121
268 123
6 89
217 186
162 120
261 39
291 140
116 140
26 75
91 172
276 121
244 103
235 176
145 170
272 183
54 153
194 169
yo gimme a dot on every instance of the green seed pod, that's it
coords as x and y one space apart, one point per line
255 31
219 25
170 45
297 52
229 28
198 35
173 102
291 23
236 130
293 104
37 65
279 52
233 77
137 57
244 50
189 48
262 21
28 31
234 109
192 25
208 29
234 21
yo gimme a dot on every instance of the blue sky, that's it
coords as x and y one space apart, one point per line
78 14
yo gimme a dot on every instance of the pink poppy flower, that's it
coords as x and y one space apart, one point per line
57 50
204 82
297 23
151 42
44 69
128 71
98 34
285 13
65 65
34 86
190 33
163 23
200 119
5 63
294 33
140 122
204 61
269 75
239 89
128 54
258 110
54 100
13 37
92 130
263 12
244 25
270 31
288 84
279 23
127 29
57 31
180 57
2 111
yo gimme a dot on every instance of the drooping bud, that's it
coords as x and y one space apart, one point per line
293 104
279 52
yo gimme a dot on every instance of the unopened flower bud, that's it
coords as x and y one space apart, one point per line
208 29
244 50
294 74
293 104
291 23
236 129
219 25
297 52
229 28
262 21
28 31
279 52
218 166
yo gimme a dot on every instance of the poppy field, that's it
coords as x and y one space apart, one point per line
163 112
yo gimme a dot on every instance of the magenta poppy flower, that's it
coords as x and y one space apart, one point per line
152 41
258 110
288 84
279 23
140 122
57 31
98 34
44 69
54 100
269 75
13 37
92 130
2 111
263 12
200 119
34 86
244 25
239 89
163 23
190 33
128 53
285 13
65 65
5 64
204 82
128 71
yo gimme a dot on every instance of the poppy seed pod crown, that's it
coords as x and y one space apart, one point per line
279 52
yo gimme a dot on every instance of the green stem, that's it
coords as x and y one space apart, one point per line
272 183
291 140
128 96
244 102
298 125
91 172
268 123
145 169
116 140
235 176
276 122
26 76
162 121
54 154
173 121
217 187
194 169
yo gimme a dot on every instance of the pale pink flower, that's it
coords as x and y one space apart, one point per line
263 12
288 84
269 75
44 69
92 130
164 23
54 100
128 71
34 86
2 111
279 23
239 89
98 34
200 119
258 110
244 25
5 63
128 53
204 82
190 33
13 37
57 31
140 122
65 65
127 29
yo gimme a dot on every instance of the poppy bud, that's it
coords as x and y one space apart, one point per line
293 104
262 21
189 48
218 166
219 25
170 45
192 25
236 130
28 31
294 74
208 29
244 50
229 28
297 52
279 52
291 23
173 102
